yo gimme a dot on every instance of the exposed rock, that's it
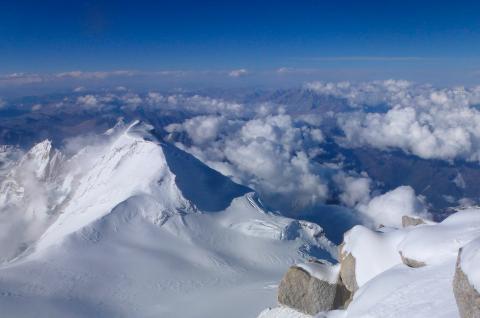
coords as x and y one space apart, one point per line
467 297
347 269
411 262
411 221
309 294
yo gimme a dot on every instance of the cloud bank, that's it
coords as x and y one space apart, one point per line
281 150
238 73
421 120
270 153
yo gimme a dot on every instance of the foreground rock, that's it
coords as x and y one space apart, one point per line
467 297
312 288
411 262
347 269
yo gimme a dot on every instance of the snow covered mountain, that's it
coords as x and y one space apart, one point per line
132 227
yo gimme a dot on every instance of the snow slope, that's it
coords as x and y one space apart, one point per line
374 251
402 291
437 243
29 194
122 239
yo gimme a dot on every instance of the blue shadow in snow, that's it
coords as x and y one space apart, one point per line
208 189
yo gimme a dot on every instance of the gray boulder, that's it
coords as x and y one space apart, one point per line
411 262
347 269
302 291
467 297
411 221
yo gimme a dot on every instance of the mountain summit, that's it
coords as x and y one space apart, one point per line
129 222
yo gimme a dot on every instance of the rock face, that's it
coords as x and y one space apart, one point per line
310 295
347 269
411 262
411 221
467 297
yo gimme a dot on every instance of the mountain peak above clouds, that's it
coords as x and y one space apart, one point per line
130 210
129 163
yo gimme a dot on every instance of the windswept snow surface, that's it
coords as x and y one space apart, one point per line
402 291
325 272
121 240
374 251
436 243
282 312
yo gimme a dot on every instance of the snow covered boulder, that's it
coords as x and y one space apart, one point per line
410 262
313 287
365 253
411 221
466 283
439 242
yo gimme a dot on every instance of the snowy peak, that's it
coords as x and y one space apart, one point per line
129 165
129 210
101 177
28 196
51 196
29 179
42 160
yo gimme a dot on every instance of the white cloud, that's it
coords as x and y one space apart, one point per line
387 209
297 71
419 119
36 107
238 73
365 93
200 129
88 101
131 100
79 89
459 181
270 153
197 104
21 79
94 75
284 70
354 190
85 77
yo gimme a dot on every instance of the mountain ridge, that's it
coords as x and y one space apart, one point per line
127 236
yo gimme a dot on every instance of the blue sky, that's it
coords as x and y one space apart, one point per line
407 39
